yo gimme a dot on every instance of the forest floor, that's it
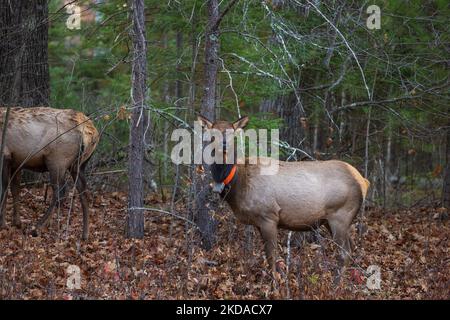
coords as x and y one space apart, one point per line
411 248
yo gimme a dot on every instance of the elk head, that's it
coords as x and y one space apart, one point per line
221 134
224 129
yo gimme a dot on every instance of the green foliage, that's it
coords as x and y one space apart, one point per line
268 51
264 121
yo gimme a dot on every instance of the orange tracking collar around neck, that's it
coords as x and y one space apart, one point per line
230 176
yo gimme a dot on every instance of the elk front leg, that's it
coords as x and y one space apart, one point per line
269 232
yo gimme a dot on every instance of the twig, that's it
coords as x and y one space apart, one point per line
165 212
224 12
108 172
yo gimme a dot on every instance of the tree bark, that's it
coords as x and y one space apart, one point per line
24 53
135 223
178 104
211 61
205 221
179 83
166 100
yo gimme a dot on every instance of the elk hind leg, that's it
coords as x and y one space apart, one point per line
79 179
269 232
6 170
56 178
15 191
339 230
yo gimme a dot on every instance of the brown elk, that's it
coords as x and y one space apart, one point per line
300 196
45 139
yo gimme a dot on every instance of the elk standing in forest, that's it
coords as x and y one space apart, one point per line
45 139
299 197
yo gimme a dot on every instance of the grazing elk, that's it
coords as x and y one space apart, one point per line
45 139
299 197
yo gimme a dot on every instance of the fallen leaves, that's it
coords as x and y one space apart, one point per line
410 246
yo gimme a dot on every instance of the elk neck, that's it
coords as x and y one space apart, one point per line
227 174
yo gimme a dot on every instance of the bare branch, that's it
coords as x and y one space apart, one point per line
224 12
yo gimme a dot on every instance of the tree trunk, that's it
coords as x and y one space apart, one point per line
178 104
135 225
24 53
179 83
205 221
446 184
166 99
211 61
194 56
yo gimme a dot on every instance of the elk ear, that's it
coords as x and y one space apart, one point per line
241 123
204 121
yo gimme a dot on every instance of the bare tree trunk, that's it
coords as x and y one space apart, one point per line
179 83
446 184
205 221
211 61
190 208
194 53
166 99
24 32
192 90
135 225
178 104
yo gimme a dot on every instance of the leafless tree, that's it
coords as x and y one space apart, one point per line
206 223
135 225
24 53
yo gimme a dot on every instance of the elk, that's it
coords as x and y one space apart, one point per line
45 139
301 196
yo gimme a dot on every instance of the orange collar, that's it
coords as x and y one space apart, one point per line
230 176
